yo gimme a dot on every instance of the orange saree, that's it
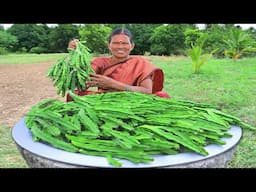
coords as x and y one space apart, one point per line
131 71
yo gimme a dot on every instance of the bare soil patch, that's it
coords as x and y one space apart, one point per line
21 87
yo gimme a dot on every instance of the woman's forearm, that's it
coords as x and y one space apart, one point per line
104 82
144 88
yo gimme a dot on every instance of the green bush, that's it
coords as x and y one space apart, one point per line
22 50
38 50
3 51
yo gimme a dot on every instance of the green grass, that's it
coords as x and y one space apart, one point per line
29 58
229 85
10 156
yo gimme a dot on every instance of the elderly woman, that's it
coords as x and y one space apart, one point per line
121 71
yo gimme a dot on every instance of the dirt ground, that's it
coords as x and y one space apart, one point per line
21 87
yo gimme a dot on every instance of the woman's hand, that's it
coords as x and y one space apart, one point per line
72 43
100 81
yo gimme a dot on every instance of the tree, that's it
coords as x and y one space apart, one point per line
141 36
238 43
28 36
216 34
95 36
169 39
60 36
7 41
196 39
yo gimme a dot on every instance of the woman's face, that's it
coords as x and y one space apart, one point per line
120 46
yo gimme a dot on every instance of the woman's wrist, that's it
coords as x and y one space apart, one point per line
128 88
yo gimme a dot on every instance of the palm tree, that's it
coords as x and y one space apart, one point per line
238 43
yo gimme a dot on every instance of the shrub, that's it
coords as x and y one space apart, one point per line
3 51
38 50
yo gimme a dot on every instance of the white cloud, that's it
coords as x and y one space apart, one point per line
242 25
6 26
247 26
201 26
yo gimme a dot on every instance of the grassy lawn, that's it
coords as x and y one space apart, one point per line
230 85
10 157
28 58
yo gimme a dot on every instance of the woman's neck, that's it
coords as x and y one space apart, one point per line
114 59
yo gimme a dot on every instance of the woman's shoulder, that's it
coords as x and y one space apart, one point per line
143 62
139 59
